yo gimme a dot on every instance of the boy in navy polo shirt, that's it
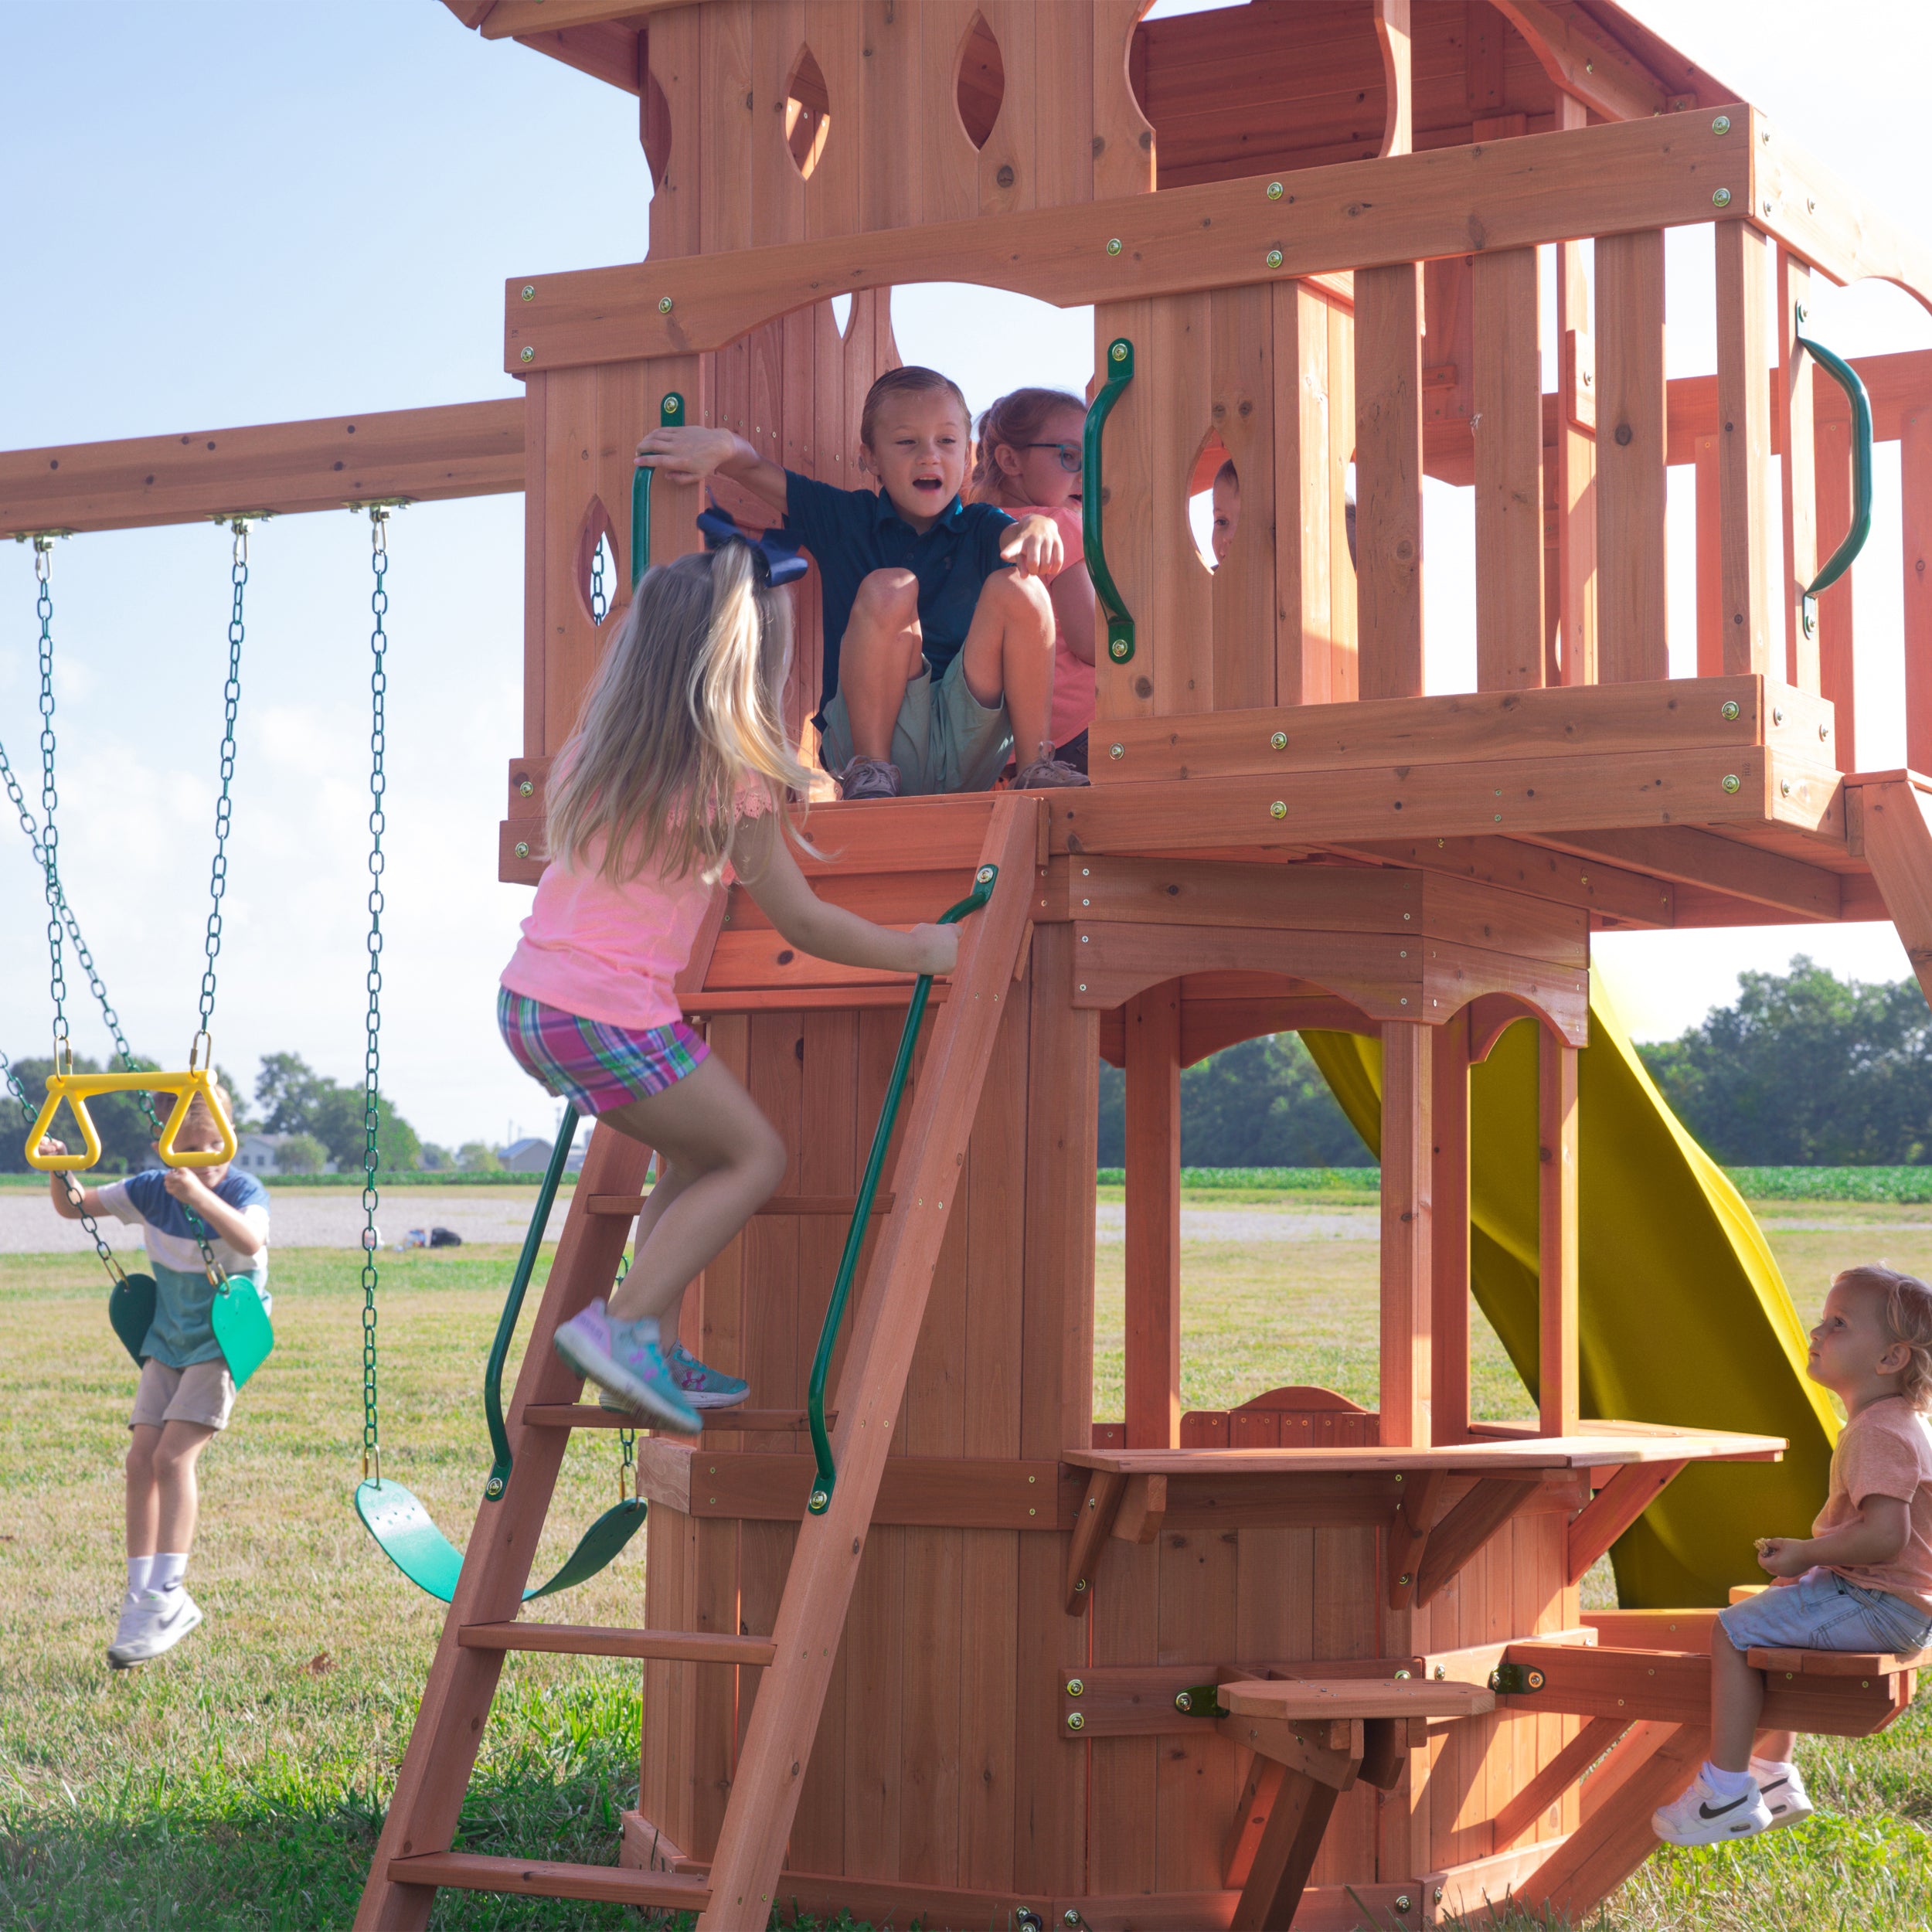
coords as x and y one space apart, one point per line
185 1393
938 632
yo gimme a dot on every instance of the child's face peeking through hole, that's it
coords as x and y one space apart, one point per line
919 449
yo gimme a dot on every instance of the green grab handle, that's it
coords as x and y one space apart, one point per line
820 1500
1120 622
1842 374
670 416
513 1303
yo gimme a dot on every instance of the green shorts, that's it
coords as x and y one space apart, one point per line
943 739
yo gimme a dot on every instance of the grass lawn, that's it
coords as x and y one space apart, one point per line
238 1783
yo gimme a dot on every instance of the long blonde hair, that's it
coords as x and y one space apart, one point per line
684 718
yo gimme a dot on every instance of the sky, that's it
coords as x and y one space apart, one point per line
229 215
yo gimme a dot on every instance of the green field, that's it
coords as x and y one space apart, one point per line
238 1783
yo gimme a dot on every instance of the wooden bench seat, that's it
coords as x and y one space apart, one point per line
1312 1738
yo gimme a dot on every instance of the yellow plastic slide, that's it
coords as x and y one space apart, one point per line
1685 1318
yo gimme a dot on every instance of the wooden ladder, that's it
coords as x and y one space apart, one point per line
1891 821
414 1855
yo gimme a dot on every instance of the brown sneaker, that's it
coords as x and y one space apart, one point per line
869 778
1048 775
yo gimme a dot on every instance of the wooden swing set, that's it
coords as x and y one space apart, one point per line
1294 1662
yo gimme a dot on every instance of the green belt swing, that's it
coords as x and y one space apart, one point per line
402 1528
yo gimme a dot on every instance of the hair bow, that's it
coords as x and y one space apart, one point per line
774 552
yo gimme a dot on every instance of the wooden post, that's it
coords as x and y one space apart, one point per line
1305 588
1449 1231
1630 457
1153 1257
1744 444
1915 490
1558 1403
1388 374
1796 397
1710 588
1407 1288
1837 669
1576 590
1507 423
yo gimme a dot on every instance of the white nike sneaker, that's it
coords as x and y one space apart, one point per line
1704 1816
130 1620
160 1620
1783 1791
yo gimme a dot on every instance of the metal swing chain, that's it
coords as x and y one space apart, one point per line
46 848
599 599
372 1052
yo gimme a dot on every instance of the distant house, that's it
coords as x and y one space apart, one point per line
528 1155
258 1153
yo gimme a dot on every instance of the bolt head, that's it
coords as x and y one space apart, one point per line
1777 716
1274 258
523 848
1722 125
1074 1722
1405 1579
1079 1583
1731 781
1074 1686
1070 1917
1182 1701
1116 751
1824 732
526 355
1119 350
1274 191
1401 1901
1784 787
1279 809
1113 245
525 790
663 304
1730 708
1120 650
1720 198
529 291
1279 742
984 876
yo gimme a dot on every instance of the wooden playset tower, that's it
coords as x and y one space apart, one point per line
1296 1663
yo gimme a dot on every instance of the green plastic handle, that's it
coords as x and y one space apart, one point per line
513 1305
1120 622
1842 374
670 416
820 1500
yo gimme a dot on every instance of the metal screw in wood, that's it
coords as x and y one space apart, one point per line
528 355
1730 708
1720 198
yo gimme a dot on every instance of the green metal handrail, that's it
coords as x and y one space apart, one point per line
513 1306
820 1500
1842 372
670 416
1120 622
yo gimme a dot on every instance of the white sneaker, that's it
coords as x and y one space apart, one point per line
129 1620
1783 1790
160 1620
1704 1816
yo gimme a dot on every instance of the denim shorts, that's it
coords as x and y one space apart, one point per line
1823 1611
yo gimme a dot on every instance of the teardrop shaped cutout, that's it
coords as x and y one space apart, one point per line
841 314
596 572
1213 501
807 112
981 85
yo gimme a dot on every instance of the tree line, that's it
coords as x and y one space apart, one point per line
1802 1069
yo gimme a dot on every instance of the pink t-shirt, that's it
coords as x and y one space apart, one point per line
612 953
1885 1450
1073 681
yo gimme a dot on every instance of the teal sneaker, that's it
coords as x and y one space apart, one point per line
623 1358
704 1386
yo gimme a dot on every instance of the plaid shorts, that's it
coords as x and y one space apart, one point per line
593 1067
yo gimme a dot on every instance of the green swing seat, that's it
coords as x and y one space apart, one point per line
404 1530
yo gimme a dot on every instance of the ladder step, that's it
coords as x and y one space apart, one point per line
593 1415
540 1877
610 1639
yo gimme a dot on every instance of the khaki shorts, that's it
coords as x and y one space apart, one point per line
204 1392
943 739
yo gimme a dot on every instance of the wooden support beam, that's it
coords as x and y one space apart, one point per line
1407 1149
1104 1489
1584 61
1306 588
1285 1854
1743 444
1797 409
1408 1534
1613 1508
1153 1237
1489 1504
1898 847
1388 415
1558 1403
1599 181
1142 1510
1391 32
1837 666
462 449
1688 856
1449 1231
1257 1800
1710 557
1547 1787
1915 487
1506 424
1630 602
1575 593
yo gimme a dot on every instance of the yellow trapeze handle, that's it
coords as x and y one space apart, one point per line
75 1089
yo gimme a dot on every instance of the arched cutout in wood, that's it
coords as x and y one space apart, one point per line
596 532
807 112
979 82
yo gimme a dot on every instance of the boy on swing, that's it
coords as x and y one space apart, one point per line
185 1394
